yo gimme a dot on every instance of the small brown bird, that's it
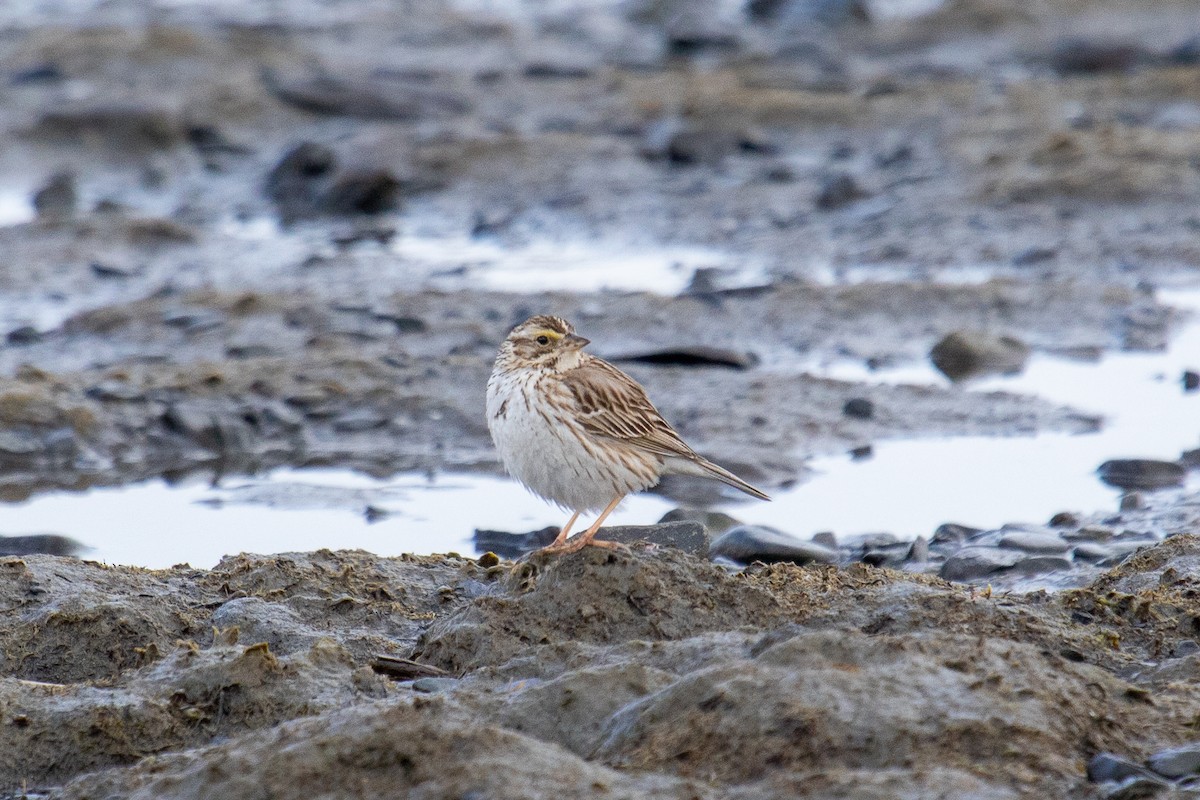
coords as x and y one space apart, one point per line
577 431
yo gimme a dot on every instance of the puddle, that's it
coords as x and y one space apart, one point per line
906 488
292 511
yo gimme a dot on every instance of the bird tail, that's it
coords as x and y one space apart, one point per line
706 469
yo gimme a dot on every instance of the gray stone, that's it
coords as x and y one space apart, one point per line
1091 552
49 543
1037 565
434 685
690 537
57 198
1108 767
747 543
715 522
1135 788
1141 473
974 561
1032 542
967 353
1178 761
839 190
952 534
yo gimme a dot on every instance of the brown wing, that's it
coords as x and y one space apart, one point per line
613 405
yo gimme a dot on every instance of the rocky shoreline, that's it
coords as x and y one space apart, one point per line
643 674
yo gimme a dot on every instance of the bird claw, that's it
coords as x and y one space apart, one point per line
580 542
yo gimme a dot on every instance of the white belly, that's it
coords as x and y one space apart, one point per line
552 460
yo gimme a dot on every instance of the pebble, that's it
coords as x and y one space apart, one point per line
952 533
434 685
48 543
58 197
1108 767
1136 788
1081 56
966 353
1191 380
839 190
690 537
715 522
1091 552
1141 473
1177 762
747 543
1032 542
974 561
859 408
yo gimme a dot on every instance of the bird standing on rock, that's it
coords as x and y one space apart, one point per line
579 432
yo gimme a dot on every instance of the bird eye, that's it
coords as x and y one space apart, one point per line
543 340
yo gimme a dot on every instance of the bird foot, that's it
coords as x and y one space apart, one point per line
578 543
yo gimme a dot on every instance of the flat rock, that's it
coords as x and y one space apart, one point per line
1032 542
968 353
690 537
747 543
975 561
1177 762
48 543
1141 473
715 522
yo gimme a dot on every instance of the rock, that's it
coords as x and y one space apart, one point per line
372 99
513 545
969 353
839 190
690 537
25 334
826 539
748 543
858 408
975 561
434 685
952 534
1091 553
1190 380
1107 767
1033 542
714 522
124 127
1034 255
49 543
1135 788
1187 52
699 356
308 181
1064 519
1177 762
57 198
1081 56
1141 473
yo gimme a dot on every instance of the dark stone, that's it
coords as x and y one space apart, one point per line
859 408
513 545
47 72
434 685
952 533
1135 788
748 543
366 99
862 452
26 334
1091 552
45 543
1177 762
209 141
1106 767
58 197
362 192
125 127
964 354
1080 56
1034 542
1064 519
1132 501
1190 380
690 537
1190 458
839 190
111 270
1141 473
1187 53
826 539
559 70
698 356
975 561
714 522
1034 255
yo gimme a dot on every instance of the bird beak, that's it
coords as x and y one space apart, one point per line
576 342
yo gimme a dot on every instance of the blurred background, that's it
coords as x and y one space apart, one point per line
919 267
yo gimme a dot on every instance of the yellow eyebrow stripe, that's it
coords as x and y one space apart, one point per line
547 332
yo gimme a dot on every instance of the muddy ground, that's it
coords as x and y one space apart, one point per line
216 256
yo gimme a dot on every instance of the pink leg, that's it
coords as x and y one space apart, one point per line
589 536
565 530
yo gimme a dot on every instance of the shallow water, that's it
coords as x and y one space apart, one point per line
906 488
